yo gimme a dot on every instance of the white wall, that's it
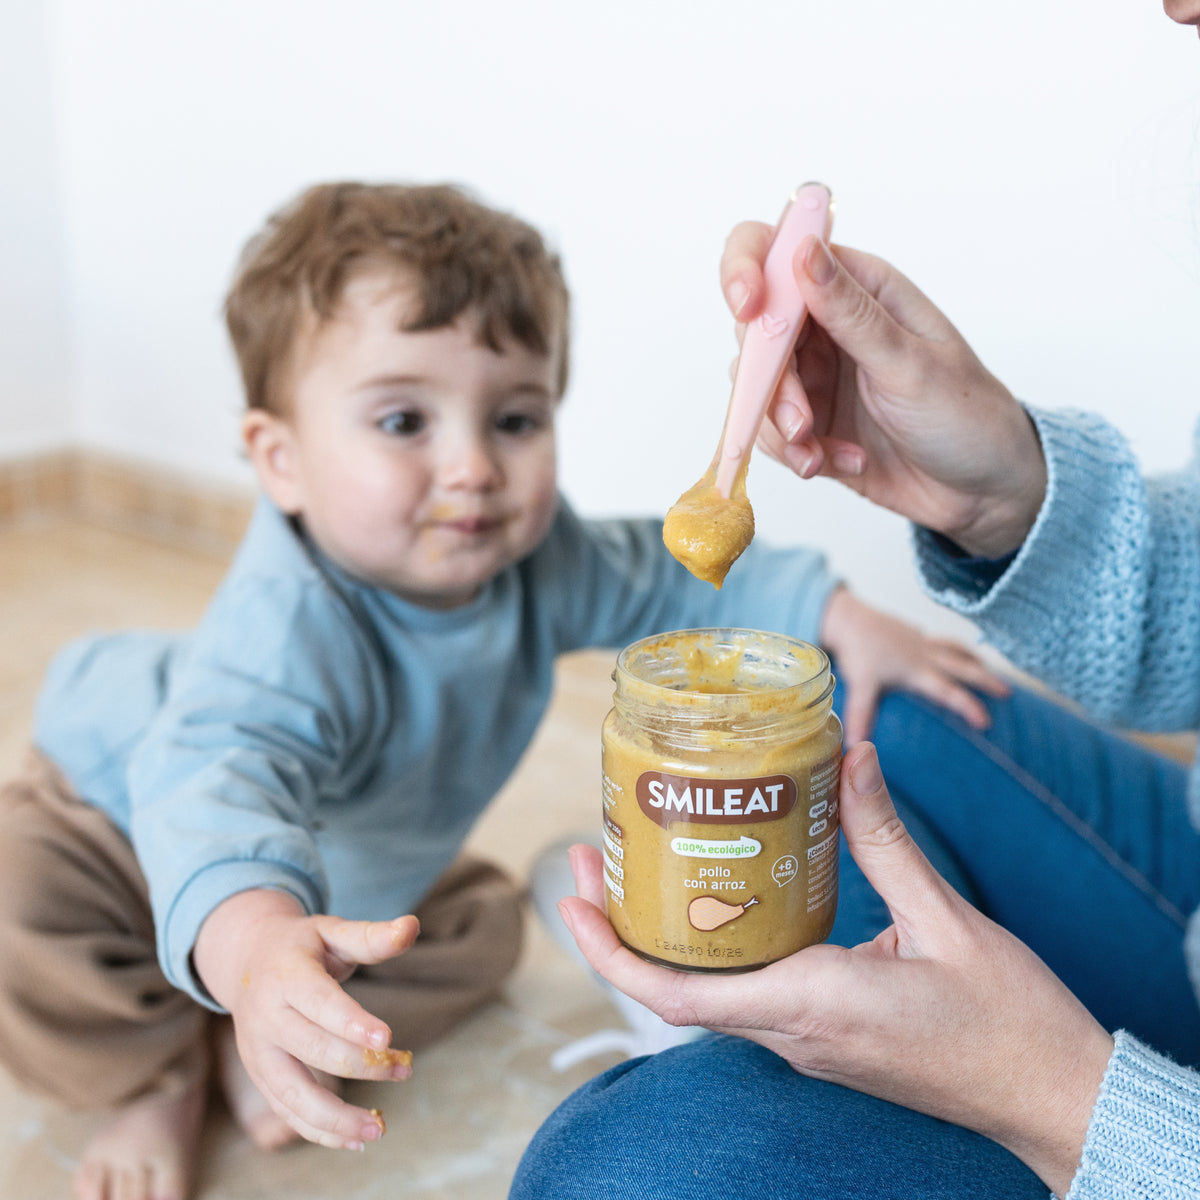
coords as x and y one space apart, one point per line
34 330
1033 166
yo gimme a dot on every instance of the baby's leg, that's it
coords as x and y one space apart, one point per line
469 944
86 1016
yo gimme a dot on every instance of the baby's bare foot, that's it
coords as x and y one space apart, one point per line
148 1150
256 1118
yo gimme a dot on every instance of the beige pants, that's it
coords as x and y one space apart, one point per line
87 1016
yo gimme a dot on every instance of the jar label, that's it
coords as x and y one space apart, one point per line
686 889
665 798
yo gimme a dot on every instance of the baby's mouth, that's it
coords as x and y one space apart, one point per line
465 524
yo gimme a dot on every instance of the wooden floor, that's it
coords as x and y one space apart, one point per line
457 1129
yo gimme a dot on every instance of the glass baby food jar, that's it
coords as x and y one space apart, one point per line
720 782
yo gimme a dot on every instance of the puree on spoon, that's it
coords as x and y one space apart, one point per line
707 531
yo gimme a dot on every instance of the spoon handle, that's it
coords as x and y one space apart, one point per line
771 336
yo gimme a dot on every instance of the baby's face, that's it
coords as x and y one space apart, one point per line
423 463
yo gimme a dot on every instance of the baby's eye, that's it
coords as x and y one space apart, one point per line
518 422
404 423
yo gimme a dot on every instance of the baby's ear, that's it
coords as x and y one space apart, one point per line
270 443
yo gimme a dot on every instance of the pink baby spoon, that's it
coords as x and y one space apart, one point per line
710 525
771 337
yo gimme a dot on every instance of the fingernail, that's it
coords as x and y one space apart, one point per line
565 913
799 459
739 293
865 775
819 263
848 462
379 1040
790 421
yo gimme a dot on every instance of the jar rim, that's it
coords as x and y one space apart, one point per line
801 672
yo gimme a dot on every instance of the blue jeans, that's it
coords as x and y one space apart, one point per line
1073 838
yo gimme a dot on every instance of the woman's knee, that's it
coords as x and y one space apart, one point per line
724 1119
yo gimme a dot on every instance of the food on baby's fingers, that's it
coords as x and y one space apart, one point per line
388 1058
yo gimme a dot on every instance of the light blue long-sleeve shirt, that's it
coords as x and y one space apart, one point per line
321 736
1102 601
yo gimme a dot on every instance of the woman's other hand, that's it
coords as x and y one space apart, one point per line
944 1012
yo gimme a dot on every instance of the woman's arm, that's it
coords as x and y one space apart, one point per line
1102 601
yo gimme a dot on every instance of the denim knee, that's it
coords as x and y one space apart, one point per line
725 1119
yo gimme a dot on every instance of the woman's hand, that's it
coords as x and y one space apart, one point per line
888 397
876 652
943 1012
279 972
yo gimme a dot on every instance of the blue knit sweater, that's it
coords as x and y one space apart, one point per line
1126 646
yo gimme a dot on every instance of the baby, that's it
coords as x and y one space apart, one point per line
198 808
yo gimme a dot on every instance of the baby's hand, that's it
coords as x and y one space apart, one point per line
279 973
876 652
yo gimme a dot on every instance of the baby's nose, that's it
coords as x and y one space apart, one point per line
471 464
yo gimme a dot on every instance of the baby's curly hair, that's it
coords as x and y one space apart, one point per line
459 255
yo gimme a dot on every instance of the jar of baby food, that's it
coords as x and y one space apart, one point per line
720 781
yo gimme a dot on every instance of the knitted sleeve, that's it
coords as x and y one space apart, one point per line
1102 601
1144 1135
